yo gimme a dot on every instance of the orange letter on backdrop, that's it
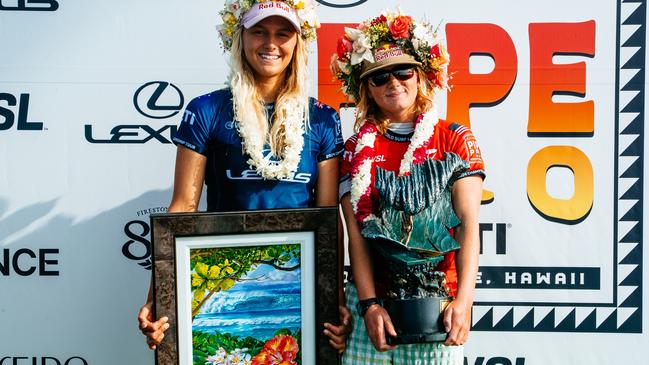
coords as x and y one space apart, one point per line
464 41
547 79
329 89
569 211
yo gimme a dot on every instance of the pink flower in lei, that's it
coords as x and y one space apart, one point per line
365 153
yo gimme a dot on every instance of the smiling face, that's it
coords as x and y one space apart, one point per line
268 47
396 98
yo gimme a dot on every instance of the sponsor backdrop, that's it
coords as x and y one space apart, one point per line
91 93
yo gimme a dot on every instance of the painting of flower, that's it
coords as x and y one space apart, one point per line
279 350
236 357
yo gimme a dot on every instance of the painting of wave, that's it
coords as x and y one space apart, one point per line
246 306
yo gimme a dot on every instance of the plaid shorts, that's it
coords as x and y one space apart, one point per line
361 351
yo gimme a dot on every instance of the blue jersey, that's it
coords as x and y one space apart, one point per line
208 127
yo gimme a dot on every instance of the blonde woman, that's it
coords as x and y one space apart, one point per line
410 190
260 143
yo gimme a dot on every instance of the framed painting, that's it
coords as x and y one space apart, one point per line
247 287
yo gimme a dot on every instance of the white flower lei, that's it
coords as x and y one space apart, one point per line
361 180
423 131
253 144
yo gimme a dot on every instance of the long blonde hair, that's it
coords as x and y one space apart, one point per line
368 110
248 104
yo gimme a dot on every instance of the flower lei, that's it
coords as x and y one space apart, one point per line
419 40
365 153
253 144
233 11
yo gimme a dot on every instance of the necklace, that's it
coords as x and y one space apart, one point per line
253 144
365 153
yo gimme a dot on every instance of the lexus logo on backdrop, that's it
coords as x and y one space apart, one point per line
153 100
341 3
29 5
158 100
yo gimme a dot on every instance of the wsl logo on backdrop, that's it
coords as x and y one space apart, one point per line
153 100
29 5
137 244
15 113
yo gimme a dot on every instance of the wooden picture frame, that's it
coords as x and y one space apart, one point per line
239 284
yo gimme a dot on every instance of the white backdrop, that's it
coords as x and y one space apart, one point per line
85 158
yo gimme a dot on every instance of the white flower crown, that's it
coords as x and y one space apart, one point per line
234 10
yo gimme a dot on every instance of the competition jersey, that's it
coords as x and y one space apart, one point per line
208 127
390 148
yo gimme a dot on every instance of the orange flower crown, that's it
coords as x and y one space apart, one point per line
386 31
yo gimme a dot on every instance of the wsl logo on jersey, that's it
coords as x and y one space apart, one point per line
296 177
153 100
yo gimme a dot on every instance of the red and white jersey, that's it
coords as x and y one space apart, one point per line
390 148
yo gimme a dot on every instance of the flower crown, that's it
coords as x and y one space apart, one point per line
389 29
234 10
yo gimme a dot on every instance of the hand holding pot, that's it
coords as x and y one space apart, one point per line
457 322
378 323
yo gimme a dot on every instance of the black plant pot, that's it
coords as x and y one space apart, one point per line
417 320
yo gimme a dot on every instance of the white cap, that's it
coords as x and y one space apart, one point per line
261 11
